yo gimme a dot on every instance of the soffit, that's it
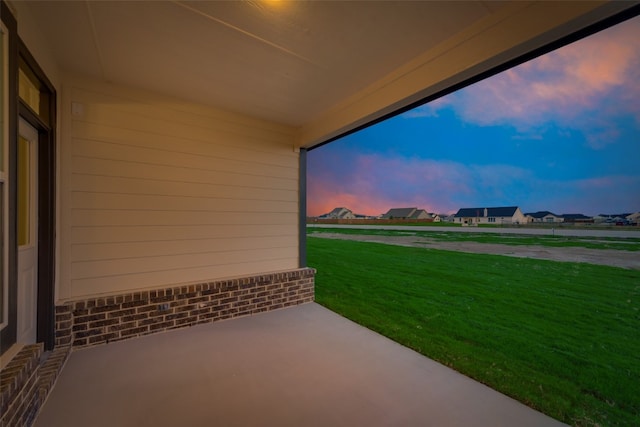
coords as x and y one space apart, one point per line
323 66
282 61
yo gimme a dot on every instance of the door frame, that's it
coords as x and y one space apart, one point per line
44 122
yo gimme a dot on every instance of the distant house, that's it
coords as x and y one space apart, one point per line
543 216
447 217
420 214
400 213
361 216
338 213
600 218
577 218
410 213
634 218
497 216
622 218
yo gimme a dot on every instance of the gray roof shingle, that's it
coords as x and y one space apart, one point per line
540 214
491 212
399 213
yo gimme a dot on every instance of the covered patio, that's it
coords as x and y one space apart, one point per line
153 157
298 366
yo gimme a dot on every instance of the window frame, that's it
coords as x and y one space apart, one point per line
4 136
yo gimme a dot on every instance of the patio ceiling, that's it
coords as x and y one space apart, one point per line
291 62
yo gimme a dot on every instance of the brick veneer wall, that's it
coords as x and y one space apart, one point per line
102 320
26 382
18 381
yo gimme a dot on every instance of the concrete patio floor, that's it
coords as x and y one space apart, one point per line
301 366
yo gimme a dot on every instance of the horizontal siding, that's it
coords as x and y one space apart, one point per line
150 264
107 218
167 233
153 117
156 193
86 150
101 200
105 251
235 151
152 279
95 173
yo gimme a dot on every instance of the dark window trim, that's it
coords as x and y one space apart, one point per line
563 41
8 334
302 209
28 64
45 122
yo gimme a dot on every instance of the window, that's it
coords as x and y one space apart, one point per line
24 192
34 93
28 91
492 220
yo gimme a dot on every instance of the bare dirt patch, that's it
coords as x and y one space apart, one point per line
610 257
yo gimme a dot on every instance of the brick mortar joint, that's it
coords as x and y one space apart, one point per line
303 273
22 372
88 322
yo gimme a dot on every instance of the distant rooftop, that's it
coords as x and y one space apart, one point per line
487 212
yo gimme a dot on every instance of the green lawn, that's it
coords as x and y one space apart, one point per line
619 243
564 338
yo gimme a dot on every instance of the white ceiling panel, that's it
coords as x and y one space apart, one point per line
285 61
282 61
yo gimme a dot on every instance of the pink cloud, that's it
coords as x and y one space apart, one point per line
566 86
373 184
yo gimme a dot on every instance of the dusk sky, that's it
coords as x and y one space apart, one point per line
558 133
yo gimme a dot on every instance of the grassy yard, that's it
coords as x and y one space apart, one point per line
564 338
626 244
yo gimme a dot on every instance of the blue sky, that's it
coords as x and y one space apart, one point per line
558 133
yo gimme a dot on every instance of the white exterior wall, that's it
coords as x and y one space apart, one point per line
551 218
156 192
545 219
518 217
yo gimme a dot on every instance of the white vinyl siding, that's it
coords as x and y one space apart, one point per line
156 193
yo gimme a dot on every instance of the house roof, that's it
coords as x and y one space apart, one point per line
323 68
399 213
575 216
540 214
337 213
491 212
337 210
622 215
